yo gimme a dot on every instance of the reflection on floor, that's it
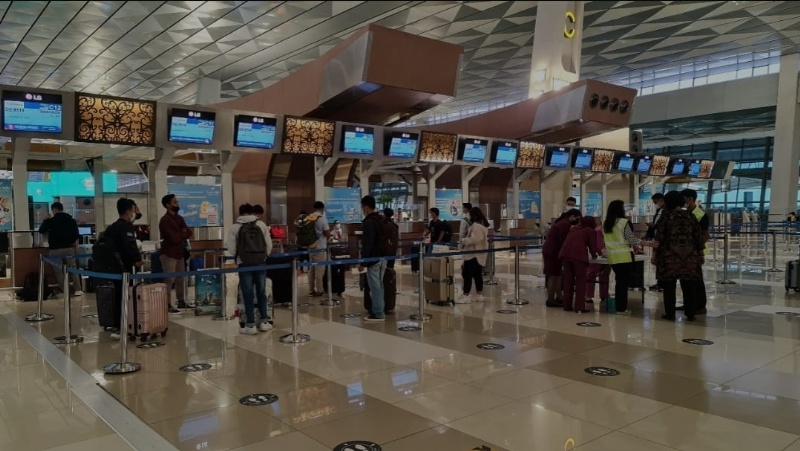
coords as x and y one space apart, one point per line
435 389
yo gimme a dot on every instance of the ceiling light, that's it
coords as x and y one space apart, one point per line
604 102
614 104
594 100
623 106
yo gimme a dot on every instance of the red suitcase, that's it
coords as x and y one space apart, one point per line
148 313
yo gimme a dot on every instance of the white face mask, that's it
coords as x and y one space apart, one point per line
338 227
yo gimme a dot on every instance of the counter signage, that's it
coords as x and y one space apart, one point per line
530 204
343 205
6 207
201 205
448 201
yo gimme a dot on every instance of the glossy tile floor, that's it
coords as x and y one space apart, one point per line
431 389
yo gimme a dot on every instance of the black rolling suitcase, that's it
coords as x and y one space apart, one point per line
793 276
281 279
337 277
415 260
108 306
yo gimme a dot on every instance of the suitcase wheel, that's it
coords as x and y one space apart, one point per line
144 337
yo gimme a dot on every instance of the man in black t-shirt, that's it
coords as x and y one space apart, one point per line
437 229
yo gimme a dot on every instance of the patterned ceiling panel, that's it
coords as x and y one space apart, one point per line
157 50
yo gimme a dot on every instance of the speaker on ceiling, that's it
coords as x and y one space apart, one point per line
636 141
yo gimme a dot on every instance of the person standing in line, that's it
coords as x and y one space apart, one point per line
690 197
552 247
249 242
121 239
679 256
476 239
438 230
174 234
658 201
573 254
337 235
62 237
392 231
322 229
570 203
619 239
374 243
599 274
463 226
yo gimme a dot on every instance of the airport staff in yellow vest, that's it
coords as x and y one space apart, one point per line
690 197
619 241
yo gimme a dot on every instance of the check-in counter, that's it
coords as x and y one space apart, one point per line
26 247
207 239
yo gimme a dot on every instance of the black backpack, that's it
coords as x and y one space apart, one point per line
104 258
448 232
30 288
251 246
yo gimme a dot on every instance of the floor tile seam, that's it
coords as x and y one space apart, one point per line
432 428
450 422
619 431
797 442
117 417
754 370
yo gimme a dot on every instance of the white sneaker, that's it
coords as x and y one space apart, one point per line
479 298
248 330
464 299
115 336
265 327
78 293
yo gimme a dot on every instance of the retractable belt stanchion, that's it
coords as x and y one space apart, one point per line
295 337
39 315
123 366
69 338
223 308
517 299
329 270
774 253
492 279
421 315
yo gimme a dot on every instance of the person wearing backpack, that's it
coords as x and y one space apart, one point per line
374 243
313 232
249 242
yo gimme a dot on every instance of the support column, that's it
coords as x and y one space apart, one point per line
557 39
19 186
365 171
321 168
157 181
433 176
783 195
229 161
467 175
100 219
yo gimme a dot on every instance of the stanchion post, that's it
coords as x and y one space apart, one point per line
492 280
39 315
295 337
223 308
421 315
123 366
726 232
329 276
517 299
69 338
774 253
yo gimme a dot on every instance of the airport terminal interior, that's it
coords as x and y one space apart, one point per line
122 117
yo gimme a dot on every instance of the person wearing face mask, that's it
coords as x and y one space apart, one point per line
463 227
337 235
570 203
174 233
550 254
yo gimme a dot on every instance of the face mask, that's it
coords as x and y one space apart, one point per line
338 227
175 209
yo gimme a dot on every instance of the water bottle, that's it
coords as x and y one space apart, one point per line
611 305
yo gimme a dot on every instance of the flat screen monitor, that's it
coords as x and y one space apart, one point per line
472 150
678 166
531 155
706 169
582 159
625 162
358 140
557 157
254 131
504 153
659 166
191 127
643 164
84 231
694 168
32 112
602 160
402 145
722 170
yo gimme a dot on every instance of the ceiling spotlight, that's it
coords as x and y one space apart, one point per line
594 100
604 102
623 106
614 104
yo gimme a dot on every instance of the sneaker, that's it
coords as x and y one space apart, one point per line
464 299
702 311
78 293
174 311
115 335
479 298
251 330
373 319
265 327
553 304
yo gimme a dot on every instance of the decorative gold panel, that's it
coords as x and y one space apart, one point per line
437 147
602 160
531 155
308 137
659 166
114 120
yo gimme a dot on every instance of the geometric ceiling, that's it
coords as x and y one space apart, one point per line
710 125
158 50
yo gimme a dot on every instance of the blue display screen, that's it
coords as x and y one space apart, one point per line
254 131
625 163
678 166
403 145
694 168
45 186
583 160
32 112
643 166
191 127
474 152
559 158
358 140
506 154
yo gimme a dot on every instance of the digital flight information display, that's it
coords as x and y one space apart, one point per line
625 162
473 150
583 159
32 112
255 131
505 153
191 127
643 164
558 157
358 140
403 145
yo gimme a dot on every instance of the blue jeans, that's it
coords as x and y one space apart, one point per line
375 281
254 284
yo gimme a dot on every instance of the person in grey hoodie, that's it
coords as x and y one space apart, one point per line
254 283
